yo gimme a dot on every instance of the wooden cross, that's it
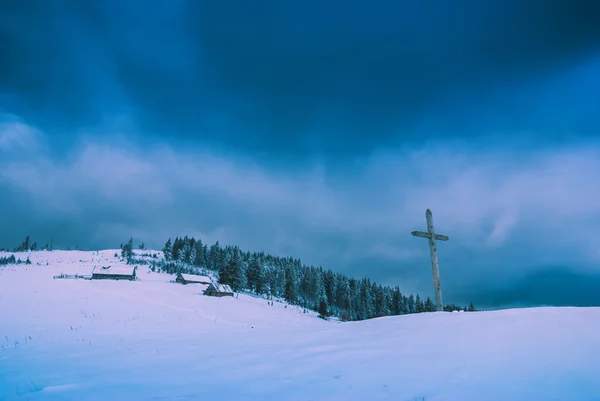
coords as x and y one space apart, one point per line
432 236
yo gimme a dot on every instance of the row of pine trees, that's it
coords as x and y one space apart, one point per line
310 287
28 245
11 260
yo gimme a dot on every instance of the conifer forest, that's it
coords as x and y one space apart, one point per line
322 290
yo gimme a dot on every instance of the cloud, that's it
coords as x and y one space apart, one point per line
502 228
508 214
297 79
16 136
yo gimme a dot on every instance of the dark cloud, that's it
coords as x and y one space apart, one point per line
335 77
348 67
52 69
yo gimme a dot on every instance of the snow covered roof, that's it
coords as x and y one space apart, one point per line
196 278
121 270
220 287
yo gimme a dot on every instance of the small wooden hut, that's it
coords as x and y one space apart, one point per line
192 279
125 272
218 290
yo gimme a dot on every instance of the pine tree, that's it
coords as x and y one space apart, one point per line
355 303
323 309
343 294
281 278
238 271
225 274
185 253
396 301
317 287
291 285
330 286
269 282
411 304
185 249
127 251
176 249
405 307
168 249
366 297
255 276
191 256
418 304
181 257
221 258
200 254
429 306
379 300
304 286
232 272
215 257
472 307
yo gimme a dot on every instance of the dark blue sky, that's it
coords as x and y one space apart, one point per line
319 130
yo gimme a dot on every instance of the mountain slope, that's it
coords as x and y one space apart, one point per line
152 339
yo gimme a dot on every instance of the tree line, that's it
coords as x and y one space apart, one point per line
28 245
322 290
11 260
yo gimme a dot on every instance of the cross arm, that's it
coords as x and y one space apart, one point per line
423 234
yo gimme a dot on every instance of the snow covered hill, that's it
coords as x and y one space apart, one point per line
155 340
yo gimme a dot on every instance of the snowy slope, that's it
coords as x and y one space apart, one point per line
155 340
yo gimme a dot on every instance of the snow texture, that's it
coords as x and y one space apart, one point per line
75 339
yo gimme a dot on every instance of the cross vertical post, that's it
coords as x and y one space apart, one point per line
432 236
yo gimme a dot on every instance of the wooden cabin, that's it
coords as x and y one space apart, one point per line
192 279
123 272
218 290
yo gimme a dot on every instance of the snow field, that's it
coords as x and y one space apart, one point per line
152 339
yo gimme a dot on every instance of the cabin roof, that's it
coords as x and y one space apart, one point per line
219 287
195 278
121 270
